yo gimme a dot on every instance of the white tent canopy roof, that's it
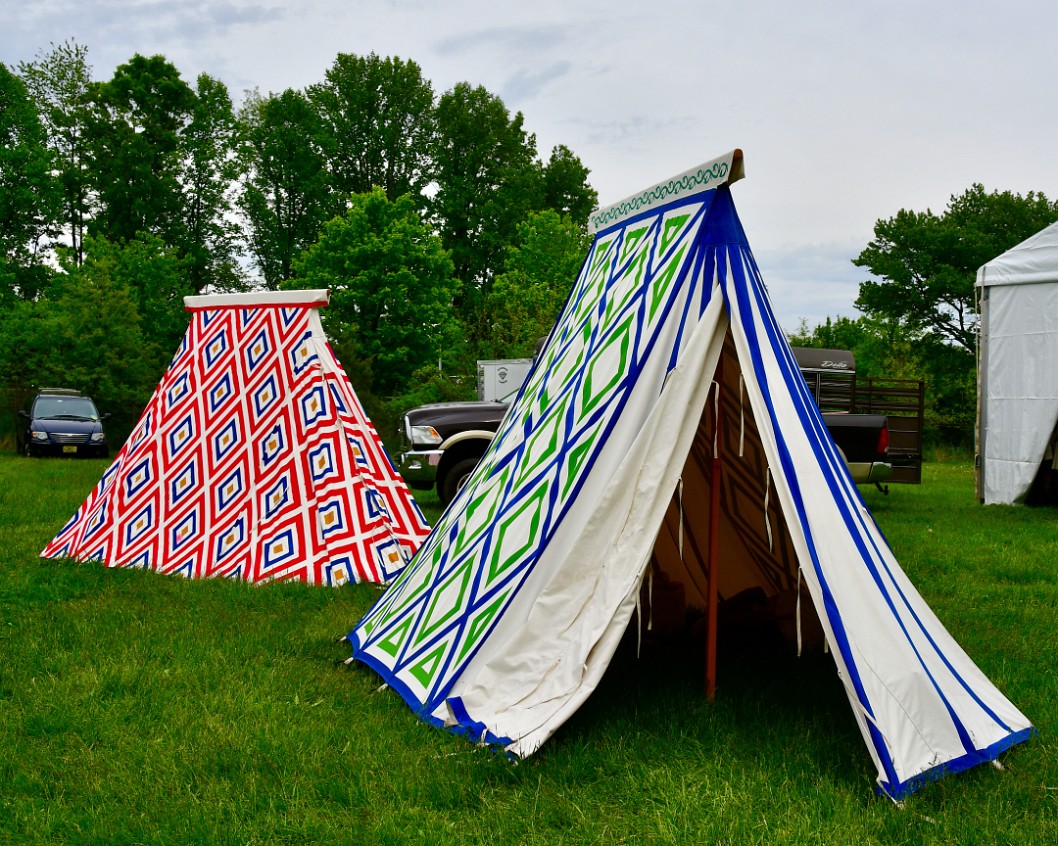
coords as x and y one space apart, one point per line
1033 260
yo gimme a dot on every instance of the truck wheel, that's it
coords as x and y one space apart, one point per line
454 479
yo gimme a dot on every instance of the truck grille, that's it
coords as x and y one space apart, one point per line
405 444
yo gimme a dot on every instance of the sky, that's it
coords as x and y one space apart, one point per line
846 112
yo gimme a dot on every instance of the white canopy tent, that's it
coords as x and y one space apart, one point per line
1017 414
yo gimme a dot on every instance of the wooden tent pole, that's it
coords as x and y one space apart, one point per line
713 555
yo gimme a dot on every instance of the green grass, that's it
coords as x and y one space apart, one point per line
137 708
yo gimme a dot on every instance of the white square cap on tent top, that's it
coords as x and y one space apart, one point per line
665 429
253 459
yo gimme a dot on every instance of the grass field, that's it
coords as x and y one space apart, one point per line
138 708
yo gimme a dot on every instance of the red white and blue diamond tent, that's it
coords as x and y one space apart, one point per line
253 459
665 435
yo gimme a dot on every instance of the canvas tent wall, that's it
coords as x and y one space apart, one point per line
611 469
1017 422
253 459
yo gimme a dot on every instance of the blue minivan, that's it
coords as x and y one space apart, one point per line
61 421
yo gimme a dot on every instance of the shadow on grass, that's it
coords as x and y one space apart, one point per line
774 712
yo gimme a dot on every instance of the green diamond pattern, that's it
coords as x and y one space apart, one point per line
444 602
592 290
671 231
423 670
480 512
662 282
542 444
448 601
607 367
480 623
393 641
601 256
413 587
563 372
576 459
631 286
517 535
633 241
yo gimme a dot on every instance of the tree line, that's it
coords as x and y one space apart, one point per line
919 311
442 233
439 228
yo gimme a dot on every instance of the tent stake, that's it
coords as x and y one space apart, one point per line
714 546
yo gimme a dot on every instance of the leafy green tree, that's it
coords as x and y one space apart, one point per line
926 264
58 82
86 334
143 152
21 347
98 345
286 195
877 345
156 279
391 288
539 272
109 327
566 186
29 194
377 118
134 130
488 181
209 175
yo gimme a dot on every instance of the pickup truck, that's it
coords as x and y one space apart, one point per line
441 443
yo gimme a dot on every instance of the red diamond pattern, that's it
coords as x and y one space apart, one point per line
254 459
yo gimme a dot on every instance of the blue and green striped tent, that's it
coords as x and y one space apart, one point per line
665 436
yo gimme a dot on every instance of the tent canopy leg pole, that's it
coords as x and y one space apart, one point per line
714 545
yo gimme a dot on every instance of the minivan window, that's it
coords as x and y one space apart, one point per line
51 407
